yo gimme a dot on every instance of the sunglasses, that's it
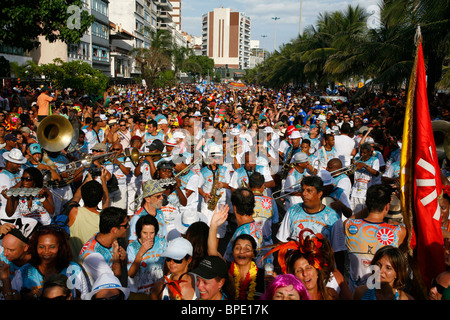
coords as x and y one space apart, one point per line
439 288
116 149
26 179
119 296
177 261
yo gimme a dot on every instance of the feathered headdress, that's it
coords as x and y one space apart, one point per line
308 245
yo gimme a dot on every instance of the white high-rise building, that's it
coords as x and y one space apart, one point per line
226 38
176 13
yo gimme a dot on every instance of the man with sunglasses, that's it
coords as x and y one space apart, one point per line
151 203
438 285
102 253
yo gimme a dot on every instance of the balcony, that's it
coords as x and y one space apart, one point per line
164 4
164 26
164 15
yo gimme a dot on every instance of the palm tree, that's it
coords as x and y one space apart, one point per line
156 59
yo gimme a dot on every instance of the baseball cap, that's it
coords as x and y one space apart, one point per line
211 267
35 148
300 157
156 145
11 137
295 135
99 146
178 248
235 132
326 177
165 164
268 130
106 281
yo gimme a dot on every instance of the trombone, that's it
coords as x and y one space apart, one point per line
135 155
349 170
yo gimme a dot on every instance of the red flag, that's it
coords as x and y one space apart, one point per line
427 239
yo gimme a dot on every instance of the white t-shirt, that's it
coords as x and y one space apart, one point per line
344 146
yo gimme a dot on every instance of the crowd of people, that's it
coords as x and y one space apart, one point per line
206 192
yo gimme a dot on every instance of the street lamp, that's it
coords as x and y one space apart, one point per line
275 34
300 23
264 36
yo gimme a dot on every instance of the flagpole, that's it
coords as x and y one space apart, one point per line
419 164
406 176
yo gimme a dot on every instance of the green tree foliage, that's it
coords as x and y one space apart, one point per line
23 21
77 75
153 62
199 66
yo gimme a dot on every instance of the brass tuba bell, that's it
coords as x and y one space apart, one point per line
54 133
441 133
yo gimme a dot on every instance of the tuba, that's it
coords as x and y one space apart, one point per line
54 133
441 133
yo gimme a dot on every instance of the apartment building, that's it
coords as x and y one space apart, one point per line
226 38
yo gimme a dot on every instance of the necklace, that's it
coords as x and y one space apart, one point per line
249 281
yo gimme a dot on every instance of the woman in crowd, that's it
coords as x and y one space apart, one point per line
177 283
197 234
38 206
50 254
248 279
286 287
145 264
392 270
213 280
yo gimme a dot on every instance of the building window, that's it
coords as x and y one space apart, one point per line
139 26
100 53
79 51
139 9
100 6
100 30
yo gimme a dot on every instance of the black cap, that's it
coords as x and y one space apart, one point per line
156 145
211 267
164 164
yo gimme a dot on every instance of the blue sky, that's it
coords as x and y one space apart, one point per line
261 13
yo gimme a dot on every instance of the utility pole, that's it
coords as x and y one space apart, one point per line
275 34
264 36
300 23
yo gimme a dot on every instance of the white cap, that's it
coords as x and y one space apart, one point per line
235 132
268 130
197 114
163 121
326 177
178 248
106 281
300 157
178 134
295 135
